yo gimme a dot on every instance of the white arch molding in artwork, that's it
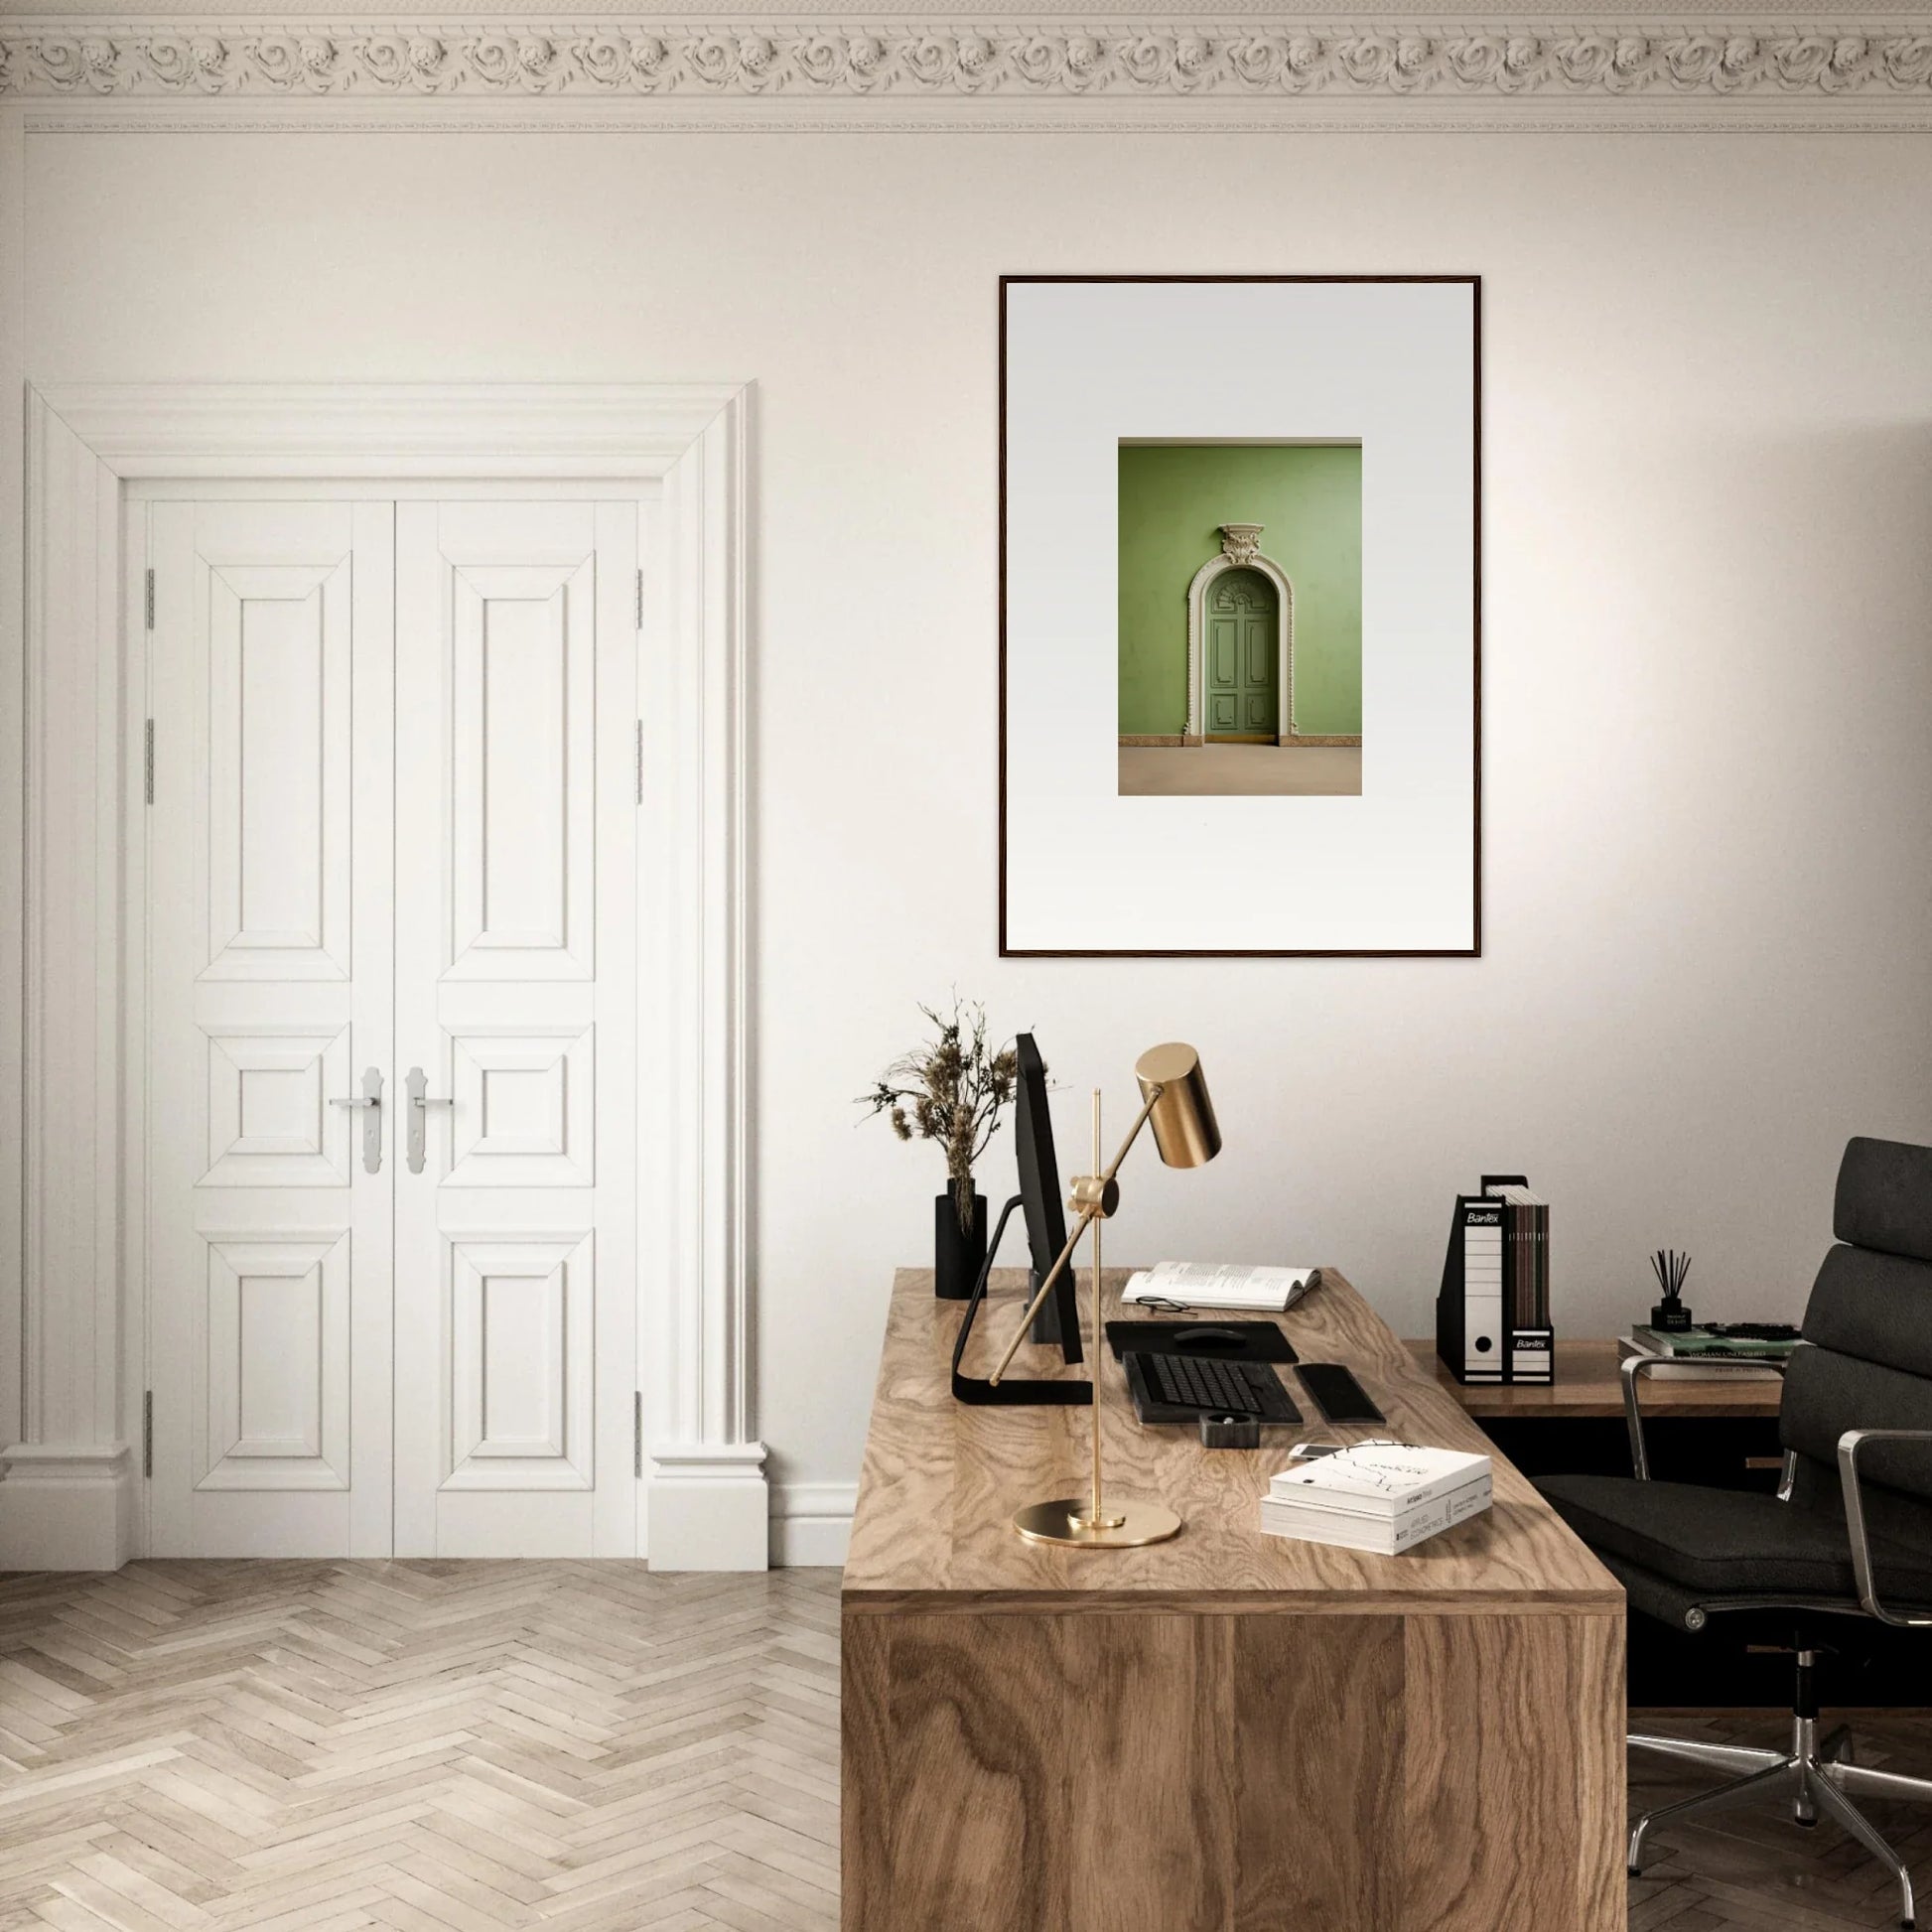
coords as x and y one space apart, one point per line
1240 550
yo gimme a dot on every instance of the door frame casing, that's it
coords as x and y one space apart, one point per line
1234 555
72 1496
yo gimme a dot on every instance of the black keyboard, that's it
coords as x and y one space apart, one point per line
1205 1387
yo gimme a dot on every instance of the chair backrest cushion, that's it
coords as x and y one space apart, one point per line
1869 1326
1885 1198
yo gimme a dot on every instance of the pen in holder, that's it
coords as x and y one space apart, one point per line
1670 1314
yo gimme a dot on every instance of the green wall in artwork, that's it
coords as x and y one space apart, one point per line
1173 498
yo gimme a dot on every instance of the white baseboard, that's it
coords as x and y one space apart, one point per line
710 1507
67 1506
812 1523
73 1508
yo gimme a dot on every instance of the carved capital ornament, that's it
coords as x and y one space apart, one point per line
1240 542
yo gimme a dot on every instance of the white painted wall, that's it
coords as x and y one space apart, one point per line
1707 663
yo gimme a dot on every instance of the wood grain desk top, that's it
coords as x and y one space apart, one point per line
941 1480
1587 1384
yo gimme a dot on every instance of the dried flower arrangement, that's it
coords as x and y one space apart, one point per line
950 1090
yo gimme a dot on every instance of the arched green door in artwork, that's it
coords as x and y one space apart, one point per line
1242 690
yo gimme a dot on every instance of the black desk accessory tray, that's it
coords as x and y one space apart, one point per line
1230 1432
1218 1342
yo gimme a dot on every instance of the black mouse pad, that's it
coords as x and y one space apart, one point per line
1219 1341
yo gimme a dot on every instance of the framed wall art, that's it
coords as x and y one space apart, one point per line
1240 614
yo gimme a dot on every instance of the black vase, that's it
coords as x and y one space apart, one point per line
958 1253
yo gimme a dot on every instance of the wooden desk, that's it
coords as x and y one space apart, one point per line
1588 1385
1227 1730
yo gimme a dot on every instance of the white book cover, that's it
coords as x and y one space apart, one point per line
1387 1536
1383 1478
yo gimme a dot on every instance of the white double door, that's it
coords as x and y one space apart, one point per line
391 858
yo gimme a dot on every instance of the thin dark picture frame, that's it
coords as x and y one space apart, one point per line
1471 951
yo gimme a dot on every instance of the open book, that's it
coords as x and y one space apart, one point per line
1215 1285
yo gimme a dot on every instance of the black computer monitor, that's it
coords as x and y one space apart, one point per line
1038 1199
1039 1194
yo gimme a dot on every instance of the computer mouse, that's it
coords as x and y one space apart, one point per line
1206 1338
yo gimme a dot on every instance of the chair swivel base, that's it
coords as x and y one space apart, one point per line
1815 1775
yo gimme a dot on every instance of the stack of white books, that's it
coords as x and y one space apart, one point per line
1381 1497
1218 1284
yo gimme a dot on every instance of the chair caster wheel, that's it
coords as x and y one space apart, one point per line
1810 1824
1633 1872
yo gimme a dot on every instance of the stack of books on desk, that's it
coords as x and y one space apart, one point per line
1686 1352
1381 1497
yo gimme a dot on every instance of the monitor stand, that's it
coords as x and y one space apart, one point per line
1010 1390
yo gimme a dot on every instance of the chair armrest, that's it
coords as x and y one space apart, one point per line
1849 1445
1634 1367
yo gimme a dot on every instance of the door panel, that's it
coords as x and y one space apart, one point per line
522 724
278 667
522 1363
278 1360
1242 671
524 1107
514 967
269 992
270 1123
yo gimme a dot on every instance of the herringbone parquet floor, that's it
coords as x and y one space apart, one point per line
468 1748
429 1747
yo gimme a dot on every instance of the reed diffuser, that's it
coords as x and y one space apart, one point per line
1670 1314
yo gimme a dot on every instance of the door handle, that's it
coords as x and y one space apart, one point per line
369 1098
420 1102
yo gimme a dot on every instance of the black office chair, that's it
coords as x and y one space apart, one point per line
1849 1535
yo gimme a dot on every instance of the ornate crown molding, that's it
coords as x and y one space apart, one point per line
629 61
1165 64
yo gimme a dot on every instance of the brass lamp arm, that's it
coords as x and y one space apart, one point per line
1090 1212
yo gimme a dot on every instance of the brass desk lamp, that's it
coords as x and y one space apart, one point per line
1175 1102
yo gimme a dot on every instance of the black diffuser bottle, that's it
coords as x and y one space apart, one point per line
1670 1317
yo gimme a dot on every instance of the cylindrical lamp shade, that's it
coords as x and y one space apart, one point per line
1185 1128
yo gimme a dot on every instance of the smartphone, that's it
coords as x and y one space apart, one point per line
1338 1394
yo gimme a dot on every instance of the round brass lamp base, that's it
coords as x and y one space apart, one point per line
1064 1521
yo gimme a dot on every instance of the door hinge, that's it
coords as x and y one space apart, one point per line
641 597
149 600
147 1433
147 761
640 760
637 1432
